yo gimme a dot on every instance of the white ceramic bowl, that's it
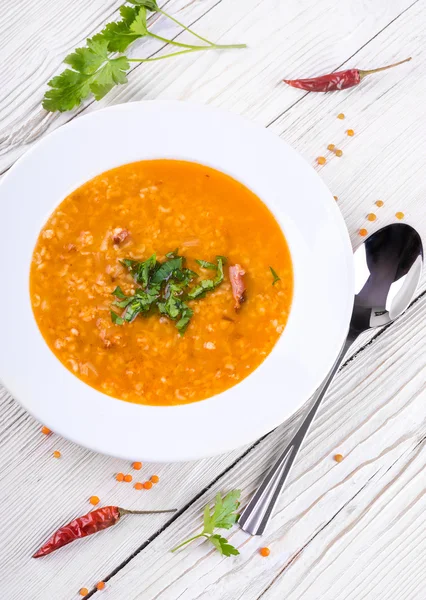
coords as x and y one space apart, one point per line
322 262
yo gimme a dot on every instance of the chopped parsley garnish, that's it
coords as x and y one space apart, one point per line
164 287
206 264
275 276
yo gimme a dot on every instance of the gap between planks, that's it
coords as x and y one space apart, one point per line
206 488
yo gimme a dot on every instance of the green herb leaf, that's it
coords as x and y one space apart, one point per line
183 322
222 544
207 285
139 26
116 319
222 258
119 35
275 276
223 516
119 292
93 72
165 271
173 253
148 4
206 265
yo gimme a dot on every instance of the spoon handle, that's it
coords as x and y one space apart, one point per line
257 513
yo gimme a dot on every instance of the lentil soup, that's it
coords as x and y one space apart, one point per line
90 248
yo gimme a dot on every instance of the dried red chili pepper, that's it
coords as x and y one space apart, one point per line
336 81
87 524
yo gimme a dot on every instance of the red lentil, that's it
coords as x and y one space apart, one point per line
371 217
128 478
57 454
363 232
340 116
264 552
100 585
45 430
83 592
147 485
350 132
379 203
155 479
331 147
137 466
321 160
138 486
338 457
94 500
120 477
338 153
399 215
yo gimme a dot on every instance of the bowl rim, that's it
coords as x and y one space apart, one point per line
37 393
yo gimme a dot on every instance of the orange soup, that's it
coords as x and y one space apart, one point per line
161 282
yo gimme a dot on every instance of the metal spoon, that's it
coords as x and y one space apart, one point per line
387 270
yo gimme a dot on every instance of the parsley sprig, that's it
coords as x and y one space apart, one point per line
223 516
163 287
101 64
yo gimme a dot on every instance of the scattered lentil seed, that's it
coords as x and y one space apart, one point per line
119 477
265 552
399 215
340 116
331 147
155 479
57 454
138 486
128 478
83 592
321 160
350 132
45 430
339 152
363 232
94 500
371 217
100 585
137 466
379 203
338 457
336 198
147 485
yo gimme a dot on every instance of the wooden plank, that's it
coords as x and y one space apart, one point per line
341 531
283 38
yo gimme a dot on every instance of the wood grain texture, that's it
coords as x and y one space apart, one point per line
283 38
343 531
339 529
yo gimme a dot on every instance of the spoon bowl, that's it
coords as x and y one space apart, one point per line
388 267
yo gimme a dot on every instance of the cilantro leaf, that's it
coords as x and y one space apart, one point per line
116 319
119 35
173 253
165 271
68 90
148 4
275 276
206 265
222 544
139 25
119 293
207 285
93 71
223 516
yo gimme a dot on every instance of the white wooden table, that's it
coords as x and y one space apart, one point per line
348 531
